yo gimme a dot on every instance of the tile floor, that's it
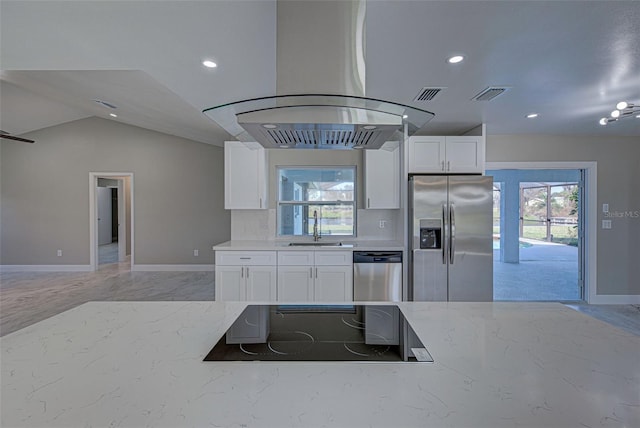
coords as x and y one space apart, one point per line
29 297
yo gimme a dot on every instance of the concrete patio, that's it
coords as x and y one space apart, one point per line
546 272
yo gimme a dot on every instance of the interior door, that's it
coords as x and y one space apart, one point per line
470 242
104 215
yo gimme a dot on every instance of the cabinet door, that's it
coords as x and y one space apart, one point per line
382 178
244 176
333 284
465 154
426 154
230 283
252 326
381 325
295 283
261 283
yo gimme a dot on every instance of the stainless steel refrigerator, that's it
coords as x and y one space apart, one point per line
451 238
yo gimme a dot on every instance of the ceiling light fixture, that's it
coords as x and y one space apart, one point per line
623 110
455 59
113 115
532 115
209 64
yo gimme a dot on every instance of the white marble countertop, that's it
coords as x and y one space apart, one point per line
139 364
354 245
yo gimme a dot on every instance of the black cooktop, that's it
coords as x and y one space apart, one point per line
320 333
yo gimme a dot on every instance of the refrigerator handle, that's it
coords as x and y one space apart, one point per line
444 230
452 235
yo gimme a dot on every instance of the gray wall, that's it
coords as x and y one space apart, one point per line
618 249
178 189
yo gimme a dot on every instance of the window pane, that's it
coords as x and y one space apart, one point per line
298 219
329 192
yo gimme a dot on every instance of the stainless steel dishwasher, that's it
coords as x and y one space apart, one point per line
377 275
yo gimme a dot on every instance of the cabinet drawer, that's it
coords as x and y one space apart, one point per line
246 258
295 258
334 258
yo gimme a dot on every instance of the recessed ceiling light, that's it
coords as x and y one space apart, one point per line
532 115
455 59
615 113
209 64
638 116
603 121
622 105
113 115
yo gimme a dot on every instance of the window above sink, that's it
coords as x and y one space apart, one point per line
329 192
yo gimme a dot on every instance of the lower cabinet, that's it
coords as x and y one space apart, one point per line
284 276
305 276
315 283
246 275
252 326
246 283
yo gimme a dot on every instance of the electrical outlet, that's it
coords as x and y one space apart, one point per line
59 253
605 208
383 224
606 224
196 253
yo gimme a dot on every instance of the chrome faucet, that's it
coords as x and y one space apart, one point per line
316 235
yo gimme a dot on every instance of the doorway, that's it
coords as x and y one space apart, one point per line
539 234
111 219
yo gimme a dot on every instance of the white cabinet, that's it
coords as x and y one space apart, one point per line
315 276
382 178
246 275
439 154
245 176
252 326
382 325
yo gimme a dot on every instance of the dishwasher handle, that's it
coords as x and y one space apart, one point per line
377 257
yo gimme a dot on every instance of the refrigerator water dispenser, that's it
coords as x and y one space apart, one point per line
430 234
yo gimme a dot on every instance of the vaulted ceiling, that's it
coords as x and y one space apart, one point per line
568 61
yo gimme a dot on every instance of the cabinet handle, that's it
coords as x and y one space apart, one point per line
260 202
316 273
442 167
241 272
310 272
247 272
368 202
245 258
448 165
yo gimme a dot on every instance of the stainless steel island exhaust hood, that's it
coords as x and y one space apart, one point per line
320 80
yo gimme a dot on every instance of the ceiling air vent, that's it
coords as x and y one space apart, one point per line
427 94
489 93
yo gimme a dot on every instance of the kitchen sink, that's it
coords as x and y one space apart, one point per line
319 244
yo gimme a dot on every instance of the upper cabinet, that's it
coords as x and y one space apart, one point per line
464 154
382 178
245 176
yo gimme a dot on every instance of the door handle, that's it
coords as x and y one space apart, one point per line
452 245
443 242
247 272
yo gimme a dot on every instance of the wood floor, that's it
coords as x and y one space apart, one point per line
27 298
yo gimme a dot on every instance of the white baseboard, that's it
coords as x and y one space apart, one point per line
173 268
45 268
615 299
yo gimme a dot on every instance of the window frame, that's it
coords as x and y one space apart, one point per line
279 202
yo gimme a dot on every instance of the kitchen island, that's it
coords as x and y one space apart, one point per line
139 364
